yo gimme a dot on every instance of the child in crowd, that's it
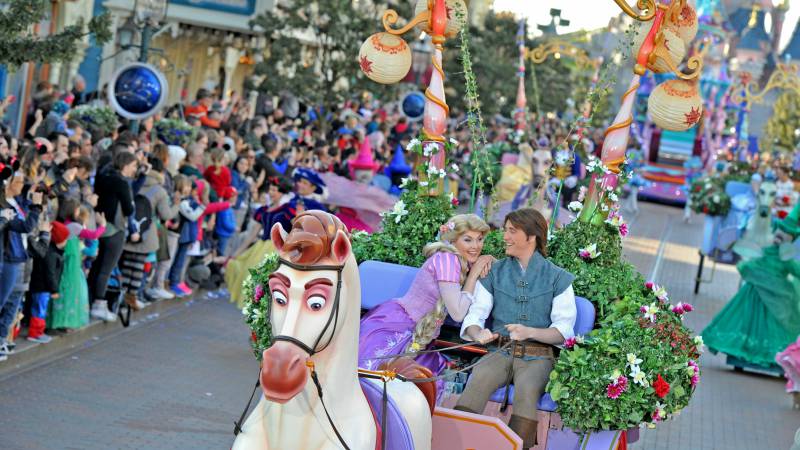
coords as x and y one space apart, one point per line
190 212
45 281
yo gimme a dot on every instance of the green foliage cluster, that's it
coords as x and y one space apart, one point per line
18 44
101 121
603 280
582 375
494 245
257 304
403 237
708 196
313 48
175 132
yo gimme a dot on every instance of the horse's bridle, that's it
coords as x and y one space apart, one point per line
332 318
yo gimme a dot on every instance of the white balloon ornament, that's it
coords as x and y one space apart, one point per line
385 58
675 105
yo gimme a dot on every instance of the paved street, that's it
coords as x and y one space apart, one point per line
180 382
176 383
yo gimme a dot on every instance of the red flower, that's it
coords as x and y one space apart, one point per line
455 202
782 214
661 387
698 188
253 336
705 209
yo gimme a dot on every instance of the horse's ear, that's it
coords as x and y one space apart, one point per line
278 236
341 249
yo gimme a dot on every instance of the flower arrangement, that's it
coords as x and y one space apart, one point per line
100 120
636 368
175 132
413 222
257 304
708 196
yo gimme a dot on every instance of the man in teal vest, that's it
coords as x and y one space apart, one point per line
532 306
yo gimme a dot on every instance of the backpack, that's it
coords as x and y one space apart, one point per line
143 214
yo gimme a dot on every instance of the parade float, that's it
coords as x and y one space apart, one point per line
633 362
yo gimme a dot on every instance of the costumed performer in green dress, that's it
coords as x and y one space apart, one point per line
764 316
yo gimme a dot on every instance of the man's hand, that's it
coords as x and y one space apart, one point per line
519 332
69 174
485 336
36 198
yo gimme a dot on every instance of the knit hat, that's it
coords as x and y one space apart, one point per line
58 233
791 223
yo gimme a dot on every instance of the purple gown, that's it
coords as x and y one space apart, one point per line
388 328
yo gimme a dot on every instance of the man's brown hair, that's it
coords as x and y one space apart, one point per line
532 223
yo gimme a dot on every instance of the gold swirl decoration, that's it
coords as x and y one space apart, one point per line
390 18
786 78
648 8
539 54
629 120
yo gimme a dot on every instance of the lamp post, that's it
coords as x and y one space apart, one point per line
420 58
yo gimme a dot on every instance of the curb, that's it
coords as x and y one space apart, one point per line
29 354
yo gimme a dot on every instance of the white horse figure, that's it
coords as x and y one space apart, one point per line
759 232
316 300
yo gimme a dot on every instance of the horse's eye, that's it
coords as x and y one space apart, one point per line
280 298
316 302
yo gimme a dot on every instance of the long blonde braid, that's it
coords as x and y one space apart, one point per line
428 325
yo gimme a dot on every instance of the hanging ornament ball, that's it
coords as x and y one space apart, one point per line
676 49
456 16
675 105
413 106
683 23
385 58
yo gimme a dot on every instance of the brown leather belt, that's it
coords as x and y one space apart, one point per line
520 349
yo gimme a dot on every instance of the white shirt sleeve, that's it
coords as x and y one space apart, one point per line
563 313
478 311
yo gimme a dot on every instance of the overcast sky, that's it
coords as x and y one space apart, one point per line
591 14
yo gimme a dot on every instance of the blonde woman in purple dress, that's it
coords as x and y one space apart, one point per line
444 285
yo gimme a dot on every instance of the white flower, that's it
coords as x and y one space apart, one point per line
575 206
432 170
399 211
579 339
258 314
633 360
604 207
613 197
423 183
430 149
638 376
454 167
442 173
698 341
404 182
412 143
715 198
245 311
582 193
650 312
453 141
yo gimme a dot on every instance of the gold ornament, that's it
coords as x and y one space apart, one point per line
456 17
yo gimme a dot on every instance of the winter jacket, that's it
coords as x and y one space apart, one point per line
47 270
23 223
38 245
114 197
190 211
163 210
239 182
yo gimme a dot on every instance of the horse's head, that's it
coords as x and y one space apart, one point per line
767 192
541 161
310 291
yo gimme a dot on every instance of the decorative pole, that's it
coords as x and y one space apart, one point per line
521 113
386 58
673 105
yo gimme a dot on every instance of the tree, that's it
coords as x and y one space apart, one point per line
18 44
780 129
313 48
495 58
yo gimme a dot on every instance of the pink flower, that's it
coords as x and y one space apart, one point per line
569 343
259 293
643 309
454 202
623 229
695 380
584 254
687 307
678 309
649 285
615 389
